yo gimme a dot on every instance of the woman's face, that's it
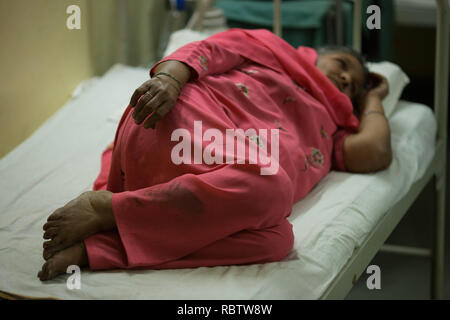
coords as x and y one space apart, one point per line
344 70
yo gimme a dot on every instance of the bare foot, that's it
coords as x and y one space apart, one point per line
74 255
82 217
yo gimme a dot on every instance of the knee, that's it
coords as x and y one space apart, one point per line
276 195
276 243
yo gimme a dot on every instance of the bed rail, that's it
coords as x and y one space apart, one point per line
277 17
441 67
441 74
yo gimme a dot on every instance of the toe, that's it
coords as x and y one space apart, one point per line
55 215
47 254
55 241
50 224
48 244
51 274
43 273
57 248
48 270
60 261
54 245
50 233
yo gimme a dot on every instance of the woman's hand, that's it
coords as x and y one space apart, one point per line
378 86
157 96
376 89
154 98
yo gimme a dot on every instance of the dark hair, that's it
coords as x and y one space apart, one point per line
361 59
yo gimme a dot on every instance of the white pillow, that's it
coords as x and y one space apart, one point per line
397 80
182 37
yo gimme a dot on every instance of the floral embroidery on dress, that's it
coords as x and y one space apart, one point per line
204 62
289 99
279 126
316 158
323 133
243 88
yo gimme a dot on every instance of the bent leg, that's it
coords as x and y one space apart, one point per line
102 179
105 250
246 247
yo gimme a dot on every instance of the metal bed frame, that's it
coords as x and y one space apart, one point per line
362 255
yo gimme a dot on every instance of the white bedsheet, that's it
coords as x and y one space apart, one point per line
62 159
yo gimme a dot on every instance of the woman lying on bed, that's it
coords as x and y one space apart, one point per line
184 194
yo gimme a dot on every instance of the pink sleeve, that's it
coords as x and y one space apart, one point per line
338 163
205 57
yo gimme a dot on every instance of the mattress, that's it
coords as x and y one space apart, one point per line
62 159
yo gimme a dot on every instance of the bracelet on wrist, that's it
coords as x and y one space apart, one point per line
374 112
176 88
170 76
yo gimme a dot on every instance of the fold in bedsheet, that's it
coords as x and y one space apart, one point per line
62 159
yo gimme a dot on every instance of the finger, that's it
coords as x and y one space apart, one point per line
148 109
152 120
139 92
158 115
143 100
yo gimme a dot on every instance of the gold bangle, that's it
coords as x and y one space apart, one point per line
374 111
170 76
175 87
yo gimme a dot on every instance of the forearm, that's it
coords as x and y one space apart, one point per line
369 150
207 57
375 125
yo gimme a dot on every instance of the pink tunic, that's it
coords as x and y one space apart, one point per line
185 215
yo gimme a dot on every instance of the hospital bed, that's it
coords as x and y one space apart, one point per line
338 227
